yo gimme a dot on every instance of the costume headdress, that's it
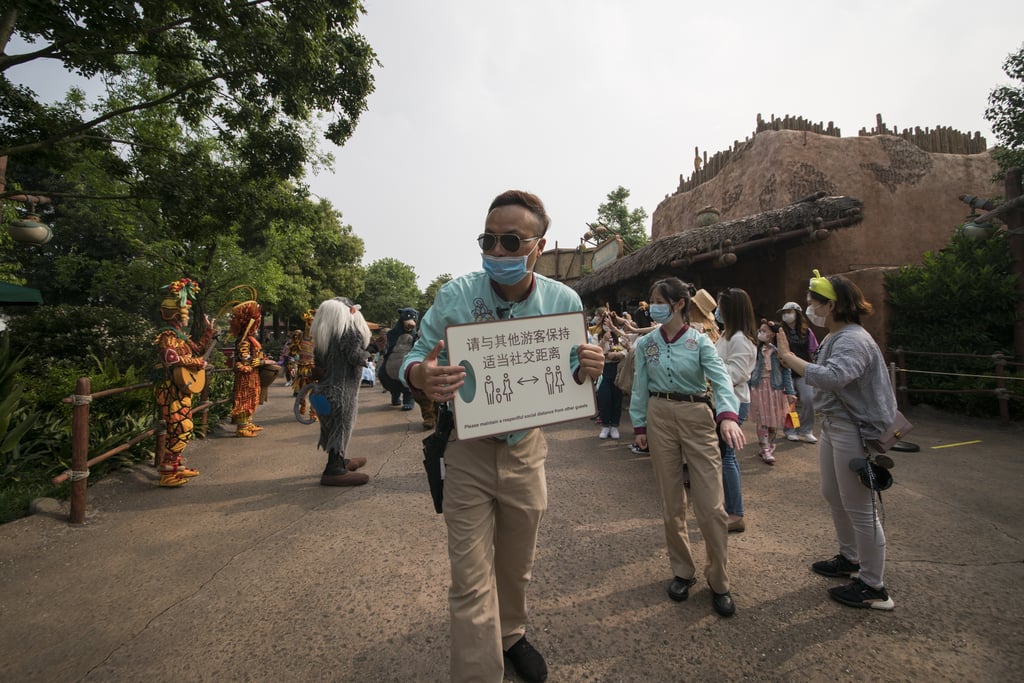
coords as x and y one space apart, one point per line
822 286
179 295
245 312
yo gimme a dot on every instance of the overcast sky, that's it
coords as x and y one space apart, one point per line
570 99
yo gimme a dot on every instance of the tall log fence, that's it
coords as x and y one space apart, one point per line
938 140
80 460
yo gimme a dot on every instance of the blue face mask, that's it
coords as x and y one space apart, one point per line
506 270
718 316
661 313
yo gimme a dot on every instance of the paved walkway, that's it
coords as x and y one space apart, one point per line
255 572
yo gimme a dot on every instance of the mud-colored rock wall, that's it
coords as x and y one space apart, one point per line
910 200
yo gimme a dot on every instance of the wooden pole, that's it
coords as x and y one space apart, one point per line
79 449
1001 393
1014 220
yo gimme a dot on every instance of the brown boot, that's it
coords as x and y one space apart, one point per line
353 464
347 479
428 410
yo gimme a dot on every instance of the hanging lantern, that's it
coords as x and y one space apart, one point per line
709 215
29 230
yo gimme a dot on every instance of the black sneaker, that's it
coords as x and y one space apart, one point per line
722 602
837 566
679 589
859 594
528 663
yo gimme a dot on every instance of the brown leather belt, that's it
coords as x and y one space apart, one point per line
692 398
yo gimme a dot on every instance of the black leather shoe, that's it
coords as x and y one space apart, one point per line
679 589
723 604
528 663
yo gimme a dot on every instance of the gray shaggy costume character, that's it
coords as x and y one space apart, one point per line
340 338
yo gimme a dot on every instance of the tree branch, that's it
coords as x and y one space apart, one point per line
73 195
78 132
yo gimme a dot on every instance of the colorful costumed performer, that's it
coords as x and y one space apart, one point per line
247 359
302 346
179 374
341 336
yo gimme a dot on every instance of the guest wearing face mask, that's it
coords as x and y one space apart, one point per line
856 402
804 344
771 390
736 349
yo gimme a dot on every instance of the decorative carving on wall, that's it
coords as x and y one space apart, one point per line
806 179
730 196
907 164
766 198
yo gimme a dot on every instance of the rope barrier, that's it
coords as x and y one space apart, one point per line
957 374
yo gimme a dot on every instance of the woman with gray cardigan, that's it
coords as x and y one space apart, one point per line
856 401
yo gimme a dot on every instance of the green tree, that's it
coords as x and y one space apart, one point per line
968 275
321 258
259 70
1006 114
616 216
222 223
427 298
390 285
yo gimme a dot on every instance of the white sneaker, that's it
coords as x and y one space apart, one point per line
614 433
604 433
792 437
808 438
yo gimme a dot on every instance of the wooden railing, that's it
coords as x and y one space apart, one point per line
1004 386
80 460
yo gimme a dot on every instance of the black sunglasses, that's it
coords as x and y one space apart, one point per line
509 241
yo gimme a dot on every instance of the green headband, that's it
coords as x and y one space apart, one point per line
822 286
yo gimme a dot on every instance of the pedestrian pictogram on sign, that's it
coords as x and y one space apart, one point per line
518 374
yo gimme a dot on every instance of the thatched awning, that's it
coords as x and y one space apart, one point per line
807 220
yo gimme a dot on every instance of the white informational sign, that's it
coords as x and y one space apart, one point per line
518 374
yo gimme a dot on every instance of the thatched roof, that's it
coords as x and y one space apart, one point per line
809 219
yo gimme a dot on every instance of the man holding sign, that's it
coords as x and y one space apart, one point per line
495 488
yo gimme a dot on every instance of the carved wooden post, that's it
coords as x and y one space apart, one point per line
902 393
1001 393
79 449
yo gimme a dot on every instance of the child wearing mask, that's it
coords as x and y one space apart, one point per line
771 390
804 344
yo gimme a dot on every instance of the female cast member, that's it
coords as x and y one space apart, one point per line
672 414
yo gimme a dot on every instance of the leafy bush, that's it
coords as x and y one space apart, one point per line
35 423
70 335
961 299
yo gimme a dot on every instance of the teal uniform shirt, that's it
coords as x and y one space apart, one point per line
683 365
472 298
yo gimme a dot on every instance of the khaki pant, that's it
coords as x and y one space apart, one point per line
494 498
676 429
